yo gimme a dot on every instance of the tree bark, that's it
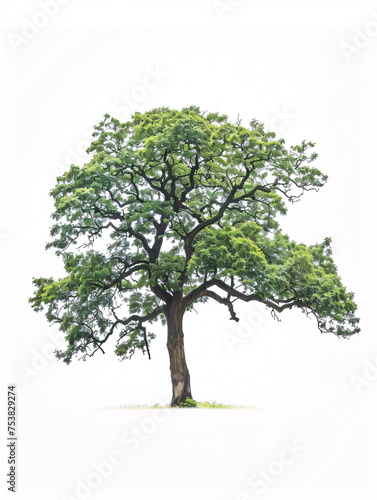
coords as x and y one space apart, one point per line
180 375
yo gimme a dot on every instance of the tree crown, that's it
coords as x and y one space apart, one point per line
188 204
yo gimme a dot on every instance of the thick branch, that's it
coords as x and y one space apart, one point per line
221 300
277 305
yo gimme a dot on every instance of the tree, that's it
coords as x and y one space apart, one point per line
187 204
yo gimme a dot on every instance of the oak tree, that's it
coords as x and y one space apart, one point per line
187 206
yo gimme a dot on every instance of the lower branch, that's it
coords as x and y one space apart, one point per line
145 338
221 300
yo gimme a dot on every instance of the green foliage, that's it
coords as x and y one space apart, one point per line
188 403
182 204
213 404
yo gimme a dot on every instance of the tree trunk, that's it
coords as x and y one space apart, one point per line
180 376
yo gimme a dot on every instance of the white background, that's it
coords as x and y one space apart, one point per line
303 68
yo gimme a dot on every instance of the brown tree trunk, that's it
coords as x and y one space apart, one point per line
180 376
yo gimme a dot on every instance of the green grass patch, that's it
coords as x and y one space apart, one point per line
189 403
213 404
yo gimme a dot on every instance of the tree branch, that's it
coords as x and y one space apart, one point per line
277 305
133 317
221 300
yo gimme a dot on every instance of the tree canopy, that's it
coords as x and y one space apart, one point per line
187 206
